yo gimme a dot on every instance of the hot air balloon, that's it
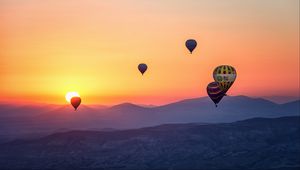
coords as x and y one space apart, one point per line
215 92
191 44
225 75
75 101
142 68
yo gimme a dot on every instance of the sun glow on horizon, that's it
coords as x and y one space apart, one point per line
50 48
69 96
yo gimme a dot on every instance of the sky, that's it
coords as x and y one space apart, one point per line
49 48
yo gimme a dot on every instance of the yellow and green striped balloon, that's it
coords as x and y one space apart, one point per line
225 75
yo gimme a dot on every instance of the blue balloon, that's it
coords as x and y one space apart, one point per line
191 44
142 68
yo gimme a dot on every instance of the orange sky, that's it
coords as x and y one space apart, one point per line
48 48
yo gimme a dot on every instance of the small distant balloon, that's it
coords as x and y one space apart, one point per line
191 44
142 68
75 101
225 75
215 92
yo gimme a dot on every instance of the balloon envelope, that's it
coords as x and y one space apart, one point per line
191 44
142 68
75 101
215 92
225 75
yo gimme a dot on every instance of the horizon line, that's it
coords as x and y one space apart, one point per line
35 103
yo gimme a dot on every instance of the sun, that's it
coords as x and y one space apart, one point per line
69 96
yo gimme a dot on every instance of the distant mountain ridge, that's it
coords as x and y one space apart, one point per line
36 120
258 143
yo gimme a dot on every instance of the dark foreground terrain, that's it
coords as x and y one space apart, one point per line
259 143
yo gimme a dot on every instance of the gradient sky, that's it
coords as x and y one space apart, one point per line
48 48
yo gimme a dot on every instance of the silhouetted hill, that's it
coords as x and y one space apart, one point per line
291 106
127 106
27 121
229 110
259 143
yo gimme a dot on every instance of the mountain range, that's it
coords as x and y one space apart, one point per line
36 120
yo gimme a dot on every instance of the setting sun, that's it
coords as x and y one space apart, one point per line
49 48
174 84
69 96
